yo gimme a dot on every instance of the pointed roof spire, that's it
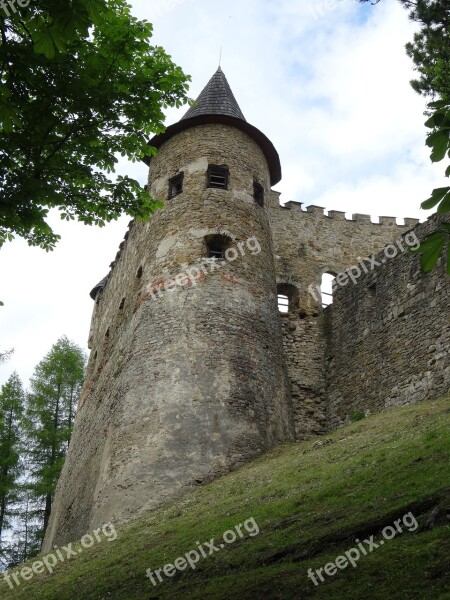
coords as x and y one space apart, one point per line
217 105
216 99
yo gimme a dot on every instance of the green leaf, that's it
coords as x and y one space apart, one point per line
430 250
9 116
436 119
444 206
428 243
43 44
436 196
439 142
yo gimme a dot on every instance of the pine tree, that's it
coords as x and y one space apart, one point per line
4 356
55 389
11 411
26 539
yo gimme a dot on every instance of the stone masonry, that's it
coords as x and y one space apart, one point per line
388 337
193 369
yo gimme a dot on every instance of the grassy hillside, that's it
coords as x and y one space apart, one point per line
310 501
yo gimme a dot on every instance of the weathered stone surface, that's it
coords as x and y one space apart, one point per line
307 245
388 336
184 387
190 377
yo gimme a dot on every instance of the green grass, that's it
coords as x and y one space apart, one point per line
311 501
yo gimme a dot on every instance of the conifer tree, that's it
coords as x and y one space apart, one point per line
11 411
25 541
52 400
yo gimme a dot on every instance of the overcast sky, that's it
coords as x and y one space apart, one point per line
328 82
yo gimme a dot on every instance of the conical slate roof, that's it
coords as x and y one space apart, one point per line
216 99
217 105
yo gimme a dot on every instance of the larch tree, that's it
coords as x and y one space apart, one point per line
51 406
11 411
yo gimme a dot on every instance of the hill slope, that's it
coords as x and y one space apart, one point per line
310 502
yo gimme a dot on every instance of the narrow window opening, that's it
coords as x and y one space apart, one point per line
122 304
176 185
326 289
140 273
218 177
258 193
107 334
288 298
283 304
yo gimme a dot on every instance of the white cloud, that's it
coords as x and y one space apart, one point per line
326 80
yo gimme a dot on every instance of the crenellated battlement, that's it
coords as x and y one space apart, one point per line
338 215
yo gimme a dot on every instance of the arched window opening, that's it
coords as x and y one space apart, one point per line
216 246
283 304
288 298
326 289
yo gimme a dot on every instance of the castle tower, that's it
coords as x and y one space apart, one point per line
186 378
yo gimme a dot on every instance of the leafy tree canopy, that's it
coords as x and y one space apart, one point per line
430 52
80 84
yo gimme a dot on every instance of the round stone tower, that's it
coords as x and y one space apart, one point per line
187 377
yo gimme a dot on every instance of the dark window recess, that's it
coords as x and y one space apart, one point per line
217 245
139 273
218 177
258 193
176 185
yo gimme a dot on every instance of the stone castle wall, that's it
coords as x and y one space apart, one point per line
307 244
187 382
388 336
184 387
